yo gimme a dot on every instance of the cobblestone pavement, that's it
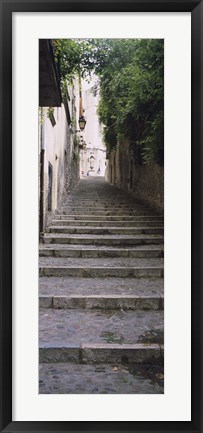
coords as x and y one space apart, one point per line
101 294
100 379
86 326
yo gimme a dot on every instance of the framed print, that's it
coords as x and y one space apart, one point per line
101 179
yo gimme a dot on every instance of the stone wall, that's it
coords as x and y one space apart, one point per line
145 182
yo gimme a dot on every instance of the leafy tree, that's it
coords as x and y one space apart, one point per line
132 95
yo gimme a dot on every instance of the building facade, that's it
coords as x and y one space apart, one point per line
58 143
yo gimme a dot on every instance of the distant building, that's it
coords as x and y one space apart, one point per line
92 162
93 154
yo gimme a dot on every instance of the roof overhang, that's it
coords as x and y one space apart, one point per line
49 82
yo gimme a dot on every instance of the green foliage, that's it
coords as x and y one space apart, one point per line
67 55
131 87
132 97
50 115
50 112
77 56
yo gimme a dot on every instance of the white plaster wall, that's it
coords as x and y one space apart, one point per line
56 140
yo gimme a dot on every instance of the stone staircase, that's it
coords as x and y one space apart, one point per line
101 295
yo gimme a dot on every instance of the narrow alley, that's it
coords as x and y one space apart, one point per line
101 295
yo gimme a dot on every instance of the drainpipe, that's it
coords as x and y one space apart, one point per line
41 211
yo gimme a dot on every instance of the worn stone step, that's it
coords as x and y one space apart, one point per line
102 198
100 336
130 267
114 223
101 271
99 302
106 212
62 250
101 262
102 203
105 230
93 214
78 200
108 218
87 209
70 378
68 286
120 240
101 353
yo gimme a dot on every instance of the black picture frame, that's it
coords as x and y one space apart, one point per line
7 8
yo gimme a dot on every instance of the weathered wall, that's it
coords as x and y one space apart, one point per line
58 151
146 182
56 143
148 185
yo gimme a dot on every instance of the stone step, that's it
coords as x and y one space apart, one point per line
114 223
62 250
120 240
107 219
69 286
100 272
101 203
101 262
92 223
76 199
101 353
109 208
102 198
99 302
130 336
105 230
106 212
70 378
130 267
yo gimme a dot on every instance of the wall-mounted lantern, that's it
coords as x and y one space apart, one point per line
82 122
